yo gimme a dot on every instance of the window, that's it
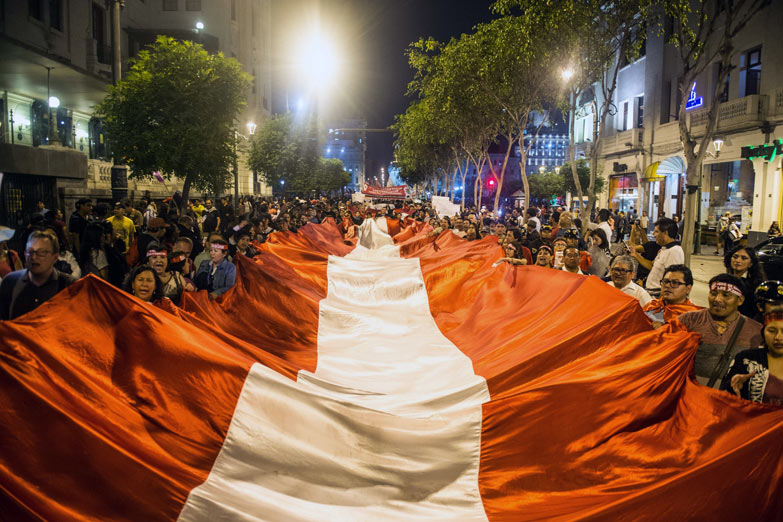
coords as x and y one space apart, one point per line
625 117
35 9
723 96
639 112
233 10
98 24
750 72
192 5
56 14
170 5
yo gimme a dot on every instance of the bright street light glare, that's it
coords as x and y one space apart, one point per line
251 128
199 25
567 74
318 60
54 102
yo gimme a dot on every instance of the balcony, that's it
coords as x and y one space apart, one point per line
622 142
733 115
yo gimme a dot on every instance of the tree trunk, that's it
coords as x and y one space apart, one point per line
503 173
574 172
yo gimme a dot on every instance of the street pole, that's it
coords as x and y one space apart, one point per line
119 173
236 175
116 49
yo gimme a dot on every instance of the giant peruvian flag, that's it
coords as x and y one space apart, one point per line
401 378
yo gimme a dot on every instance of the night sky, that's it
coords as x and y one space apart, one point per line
373 35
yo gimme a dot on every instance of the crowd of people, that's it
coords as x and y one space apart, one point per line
161 250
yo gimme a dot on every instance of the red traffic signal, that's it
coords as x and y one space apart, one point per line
492 183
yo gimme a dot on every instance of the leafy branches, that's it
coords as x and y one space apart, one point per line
175 112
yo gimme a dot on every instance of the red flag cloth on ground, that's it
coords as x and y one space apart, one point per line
407 381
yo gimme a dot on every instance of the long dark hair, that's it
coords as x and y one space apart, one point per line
755 273
600 234
91 239
128 286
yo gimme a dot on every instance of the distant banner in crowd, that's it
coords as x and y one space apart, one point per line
373 378
398 192
444 207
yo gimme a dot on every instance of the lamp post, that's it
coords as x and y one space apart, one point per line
54 102
717 143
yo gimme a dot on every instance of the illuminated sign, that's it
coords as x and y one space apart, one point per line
767 152
693 100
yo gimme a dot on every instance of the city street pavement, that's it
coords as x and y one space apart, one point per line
704 267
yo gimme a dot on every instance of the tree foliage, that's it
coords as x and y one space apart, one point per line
287 150
175 112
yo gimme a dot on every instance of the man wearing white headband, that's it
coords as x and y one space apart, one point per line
724 331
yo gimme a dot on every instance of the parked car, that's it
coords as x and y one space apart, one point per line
770 254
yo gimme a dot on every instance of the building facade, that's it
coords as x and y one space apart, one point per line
347 141
641 152
63 49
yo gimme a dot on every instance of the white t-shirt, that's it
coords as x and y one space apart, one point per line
607 229
666 256
636 292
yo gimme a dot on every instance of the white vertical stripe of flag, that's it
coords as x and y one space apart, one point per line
387 428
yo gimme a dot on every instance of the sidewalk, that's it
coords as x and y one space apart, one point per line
704 267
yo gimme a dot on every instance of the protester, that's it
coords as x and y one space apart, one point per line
600 254
22 291
93 258
774 230
724 330
769 298
670 253
9 259
676 286
218 274
544 257
622 272
155 231
123 226
78 222
144 283
743 263
571 260
172 283
757 374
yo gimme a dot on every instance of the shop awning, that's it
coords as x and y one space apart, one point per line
660 169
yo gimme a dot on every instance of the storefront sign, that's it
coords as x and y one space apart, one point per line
693 100
767 152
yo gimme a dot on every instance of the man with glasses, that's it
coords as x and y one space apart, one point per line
622 272
25 290
676 286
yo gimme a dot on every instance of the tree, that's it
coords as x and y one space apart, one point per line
332 175
595 39
584 174
703 36
175 112
288 151
544 185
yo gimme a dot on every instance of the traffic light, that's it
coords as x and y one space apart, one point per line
491 183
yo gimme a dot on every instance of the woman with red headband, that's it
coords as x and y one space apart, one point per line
217 274
757 374
172 283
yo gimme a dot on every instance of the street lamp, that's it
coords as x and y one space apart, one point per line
557 169
199 26
567 74
717 142
54 102
251 128
542 169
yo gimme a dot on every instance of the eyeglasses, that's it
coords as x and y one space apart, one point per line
621 271
672 283
37 253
